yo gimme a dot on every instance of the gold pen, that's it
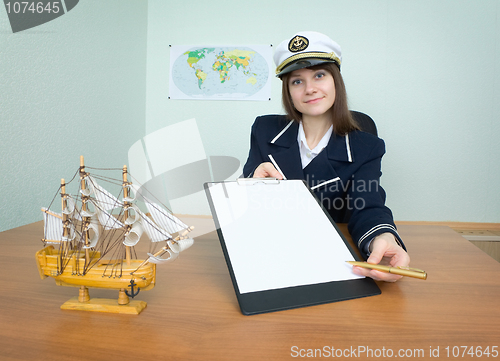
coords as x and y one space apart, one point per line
402 271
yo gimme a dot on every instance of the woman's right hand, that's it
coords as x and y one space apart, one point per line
266 170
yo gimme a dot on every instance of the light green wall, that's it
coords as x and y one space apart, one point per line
426 70
95 80
73 86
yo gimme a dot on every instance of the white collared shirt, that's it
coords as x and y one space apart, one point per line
307 154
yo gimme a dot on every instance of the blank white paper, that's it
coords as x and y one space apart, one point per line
278 236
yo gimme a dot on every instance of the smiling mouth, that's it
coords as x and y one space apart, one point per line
312 101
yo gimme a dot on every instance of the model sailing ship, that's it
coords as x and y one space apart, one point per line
92 242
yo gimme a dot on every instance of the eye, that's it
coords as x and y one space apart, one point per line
295 82
320 74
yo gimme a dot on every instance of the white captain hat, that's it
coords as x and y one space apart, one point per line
305 49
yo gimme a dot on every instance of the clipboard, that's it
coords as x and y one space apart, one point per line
282 248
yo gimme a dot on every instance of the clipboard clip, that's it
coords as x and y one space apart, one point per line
253 181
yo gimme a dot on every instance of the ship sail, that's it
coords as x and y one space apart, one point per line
86 212
180 245
159 260
105 200
154 233
107 220
163 219
95 228
53 227
70 206
134 235
133 191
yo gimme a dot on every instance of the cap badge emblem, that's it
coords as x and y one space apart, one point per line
297 44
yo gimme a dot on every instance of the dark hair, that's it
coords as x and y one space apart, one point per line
342 119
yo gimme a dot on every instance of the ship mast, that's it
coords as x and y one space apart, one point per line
63 207
65 222
126 205
86 220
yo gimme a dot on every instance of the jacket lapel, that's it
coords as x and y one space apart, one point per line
284 150
320 172
339 149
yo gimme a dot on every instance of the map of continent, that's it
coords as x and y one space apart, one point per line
219 72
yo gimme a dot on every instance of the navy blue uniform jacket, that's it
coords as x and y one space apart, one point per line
344 176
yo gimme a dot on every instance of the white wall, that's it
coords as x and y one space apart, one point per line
73 86
95 80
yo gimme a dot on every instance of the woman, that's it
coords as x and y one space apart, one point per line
318 141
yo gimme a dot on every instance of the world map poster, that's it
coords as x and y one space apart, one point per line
221 72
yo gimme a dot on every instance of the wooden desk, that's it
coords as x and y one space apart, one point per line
192 313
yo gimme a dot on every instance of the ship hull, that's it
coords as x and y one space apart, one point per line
105 274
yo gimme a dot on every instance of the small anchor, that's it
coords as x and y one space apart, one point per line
132 293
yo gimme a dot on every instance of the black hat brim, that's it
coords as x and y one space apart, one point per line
304 63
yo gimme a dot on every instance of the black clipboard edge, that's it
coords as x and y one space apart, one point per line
307 295
281 299
221 239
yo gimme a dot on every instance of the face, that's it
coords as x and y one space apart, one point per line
312 91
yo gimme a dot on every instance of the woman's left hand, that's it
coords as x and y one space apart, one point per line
386 251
